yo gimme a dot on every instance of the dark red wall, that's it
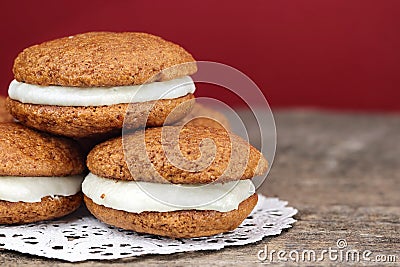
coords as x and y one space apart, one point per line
342 54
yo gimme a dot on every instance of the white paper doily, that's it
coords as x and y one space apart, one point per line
80 237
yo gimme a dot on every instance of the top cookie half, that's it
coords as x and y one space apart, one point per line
103 59
191 154
26 152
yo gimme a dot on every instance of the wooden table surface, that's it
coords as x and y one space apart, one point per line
341 171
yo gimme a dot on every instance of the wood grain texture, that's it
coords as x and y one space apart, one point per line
341 171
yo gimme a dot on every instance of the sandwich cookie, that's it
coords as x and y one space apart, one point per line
154 191
40 175
81 86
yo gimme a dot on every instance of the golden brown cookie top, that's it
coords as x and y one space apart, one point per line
26 152
102 59
199 155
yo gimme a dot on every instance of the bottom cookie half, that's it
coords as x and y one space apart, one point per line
176 224
49 208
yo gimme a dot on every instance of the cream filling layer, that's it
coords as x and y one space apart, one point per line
33 189
137 197
99 96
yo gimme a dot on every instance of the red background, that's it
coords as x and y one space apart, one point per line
341 54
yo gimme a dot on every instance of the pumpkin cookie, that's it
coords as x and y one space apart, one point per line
203 190
84 85
40 175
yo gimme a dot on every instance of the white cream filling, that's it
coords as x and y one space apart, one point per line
33 189
137 197
99 96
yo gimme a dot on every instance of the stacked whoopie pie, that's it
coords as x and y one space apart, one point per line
138 183
41 175
186 180
81 86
